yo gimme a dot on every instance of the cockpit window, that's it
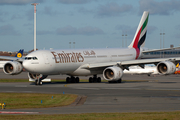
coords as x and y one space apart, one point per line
29 58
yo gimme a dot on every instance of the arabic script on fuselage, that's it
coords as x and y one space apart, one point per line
89 53
67 57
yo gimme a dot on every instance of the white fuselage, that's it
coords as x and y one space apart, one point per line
52 62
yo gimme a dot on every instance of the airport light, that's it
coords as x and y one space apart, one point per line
160 40
34 4
122 40
163 43
162 34
70 45
74 45
163 40
126 39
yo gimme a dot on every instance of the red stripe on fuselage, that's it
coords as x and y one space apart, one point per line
137 52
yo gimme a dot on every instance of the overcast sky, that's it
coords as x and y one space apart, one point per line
87 23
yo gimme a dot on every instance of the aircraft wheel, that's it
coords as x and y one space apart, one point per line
119 81
40 82
77 79
94 79
90 80
98 79
73 80
68 80
36 82
109 81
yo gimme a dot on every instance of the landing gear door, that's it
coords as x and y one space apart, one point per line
46 60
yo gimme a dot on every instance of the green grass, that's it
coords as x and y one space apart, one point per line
99 116
13 80
33 100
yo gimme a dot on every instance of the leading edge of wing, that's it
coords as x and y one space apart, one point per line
129 63
11 58
155 50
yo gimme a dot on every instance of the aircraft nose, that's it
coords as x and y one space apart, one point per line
24 64
27 66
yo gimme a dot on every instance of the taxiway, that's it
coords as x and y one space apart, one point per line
160 93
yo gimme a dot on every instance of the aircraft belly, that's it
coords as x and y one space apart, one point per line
65 68
85 72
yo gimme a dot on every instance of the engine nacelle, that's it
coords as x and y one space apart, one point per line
12 68
34 77
112 73
166 67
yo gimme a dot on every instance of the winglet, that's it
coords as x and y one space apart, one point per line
20 53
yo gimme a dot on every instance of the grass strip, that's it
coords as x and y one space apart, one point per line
35 100
13 80
99 116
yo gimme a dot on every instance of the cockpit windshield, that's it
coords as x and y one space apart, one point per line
31 58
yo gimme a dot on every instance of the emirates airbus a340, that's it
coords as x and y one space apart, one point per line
84 62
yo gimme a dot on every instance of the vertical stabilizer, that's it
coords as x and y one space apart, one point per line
20 53
140 36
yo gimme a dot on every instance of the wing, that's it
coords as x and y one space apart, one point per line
155 50
126 64
12 58
18 57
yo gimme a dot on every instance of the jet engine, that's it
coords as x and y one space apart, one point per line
12 68
112 73
34 77
166 67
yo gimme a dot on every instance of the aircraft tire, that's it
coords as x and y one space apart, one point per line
110 81
77 79
40 82
90 80
99 80
119 81
68 80
73 80
36 82
94 79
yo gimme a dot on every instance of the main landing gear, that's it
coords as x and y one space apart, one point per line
94 79
72 79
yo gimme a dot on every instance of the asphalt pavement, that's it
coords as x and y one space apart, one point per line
137 93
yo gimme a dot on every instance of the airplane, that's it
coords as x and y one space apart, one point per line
177 70
17 56
147 70
84 62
